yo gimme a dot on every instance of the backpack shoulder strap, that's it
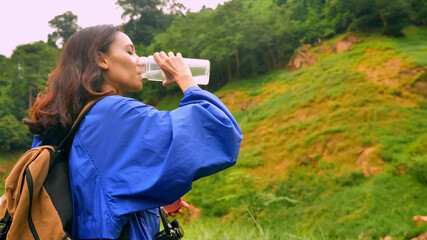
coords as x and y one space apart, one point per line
67 141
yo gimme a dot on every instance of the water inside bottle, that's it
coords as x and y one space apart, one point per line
200 75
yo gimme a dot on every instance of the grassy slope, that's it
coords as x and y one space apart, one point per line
329 151
7 160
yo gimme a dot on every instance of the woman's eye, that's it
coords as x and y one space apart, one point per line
130 53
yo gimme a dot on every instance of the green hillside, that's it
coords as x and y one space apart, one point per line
336 150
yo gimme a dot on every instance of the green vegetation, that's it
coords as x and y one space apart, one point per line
335 150
7 160
66 25
331 151
20 77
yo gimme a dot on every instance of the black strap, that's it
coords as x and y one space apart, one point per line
5 225
166 224
68 140
124 235
29 179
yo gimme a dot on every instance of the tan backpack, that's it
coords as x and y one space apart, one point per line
37 203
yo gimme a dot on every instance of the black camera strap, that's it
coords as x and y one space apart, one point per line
172 230
166 224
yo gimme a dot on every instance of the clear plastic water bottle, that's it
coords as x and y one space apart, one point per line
199 68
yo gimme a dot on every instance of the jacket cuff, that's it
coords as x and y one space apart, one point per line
191 89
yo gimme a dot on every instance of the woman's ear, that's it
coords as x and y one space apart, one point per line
102 63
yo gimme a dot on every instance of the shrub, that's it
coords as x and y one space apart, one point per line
14 135
418 169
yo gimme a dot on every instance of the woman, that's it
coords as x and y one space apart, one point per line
127 158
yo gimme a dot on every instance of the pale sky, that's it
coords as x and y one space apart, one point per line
26 21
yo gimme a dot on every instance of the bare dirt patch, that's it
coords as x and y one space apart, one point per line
238 100
191 214
393 72
308 113
370 162
383 74
272 170
421 88
400 76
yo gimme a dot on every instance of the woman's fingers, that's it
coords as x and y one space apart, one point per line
166 83
184 204
156 56
163 54
175 69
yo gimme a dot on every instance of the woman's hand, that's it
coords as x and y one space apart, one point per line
175 207
175 70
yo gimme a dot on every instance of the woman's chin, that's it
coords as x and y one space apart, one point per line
137 88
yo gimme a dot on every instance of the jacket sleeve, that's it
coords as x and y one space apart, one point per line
147 158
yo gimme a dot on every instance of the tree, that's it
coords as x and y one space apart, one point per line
145 28
25 71
14 135
419 8
394 15
66 25
20 76
147 18
134 9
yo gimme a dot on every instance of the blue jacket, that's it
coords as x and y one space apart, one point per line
128 159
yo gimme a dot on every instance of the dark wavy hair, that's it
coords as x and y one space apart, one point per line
76 80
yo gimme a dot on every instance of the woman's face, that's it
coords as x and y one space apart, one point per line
121 65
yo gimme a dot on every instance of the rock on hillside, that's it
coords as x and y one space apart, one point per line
304 57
